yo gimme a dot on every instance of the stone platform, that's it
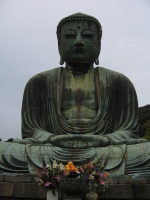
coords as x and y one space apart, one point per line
25 188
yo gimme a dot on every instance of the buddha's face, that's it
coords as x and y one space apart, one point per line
79 42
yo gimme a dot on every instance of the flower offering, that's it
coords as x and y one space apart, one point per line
94 175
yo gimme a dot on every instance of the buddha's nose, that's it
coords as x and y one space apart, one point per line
79 40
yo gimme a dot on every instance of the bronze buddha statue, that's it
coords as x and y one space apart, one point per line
78 111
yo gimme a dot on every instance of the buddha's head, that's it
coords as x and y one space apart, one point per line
79 39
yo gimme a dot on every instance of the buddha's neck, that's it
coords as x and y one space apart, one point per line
79 68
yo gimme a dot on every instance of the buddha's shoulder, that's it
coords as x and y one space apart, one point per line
113 74
42 76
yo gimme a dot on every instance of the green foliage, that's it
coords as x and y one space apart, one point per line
147 132
10 140
144 116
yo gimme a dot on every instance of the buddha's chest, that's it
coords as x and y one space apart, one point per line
78 98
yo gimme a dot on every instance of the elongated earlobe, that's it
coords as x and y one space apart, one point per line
61 61
96 61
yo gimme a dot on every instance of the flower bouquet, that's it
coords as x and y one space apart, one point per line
96 178
70 178
50 176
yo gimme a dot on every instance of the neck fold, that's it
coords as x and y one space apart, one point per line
79 68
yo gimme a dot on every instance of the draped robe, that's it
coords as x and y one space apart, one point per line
116 119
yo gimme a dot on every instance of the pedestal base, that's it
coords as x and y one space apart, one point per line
25 187
51 196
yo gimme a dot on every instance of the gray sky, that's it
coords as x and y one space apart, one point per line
28 45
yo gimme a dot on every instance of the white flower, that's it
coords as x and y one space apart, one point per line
61 166
93 173
54 164
49 166
91 177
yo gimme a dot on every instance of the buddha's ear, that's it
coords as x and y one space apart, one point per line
96 61
61 61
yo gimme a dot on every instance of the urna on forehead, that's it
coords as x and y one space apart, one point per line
80 17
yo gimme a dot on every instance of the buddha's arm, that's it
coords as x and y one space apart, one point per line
125 115
38 137
33 112
123 137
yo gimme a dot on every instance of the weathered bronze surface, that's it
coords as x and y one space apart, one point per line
78 111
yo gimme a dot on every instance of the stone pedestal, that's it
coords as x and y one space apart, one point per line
91 196
51 196
25 188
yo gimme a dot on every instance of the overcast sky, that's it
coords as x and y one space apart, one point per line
28 45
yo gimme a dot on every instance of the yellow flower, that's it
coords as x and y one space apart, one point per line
54 164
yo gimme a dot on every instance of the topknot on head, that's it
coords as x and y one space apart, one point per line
79 16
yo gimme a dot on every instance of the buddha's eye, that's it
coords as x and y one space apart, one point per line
70 36
87 34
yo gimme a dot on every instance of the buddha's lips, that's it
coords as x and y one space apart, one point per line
78 50
79 47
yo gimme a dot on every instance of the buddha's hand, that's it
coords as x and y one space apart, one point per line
75 141
136 141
